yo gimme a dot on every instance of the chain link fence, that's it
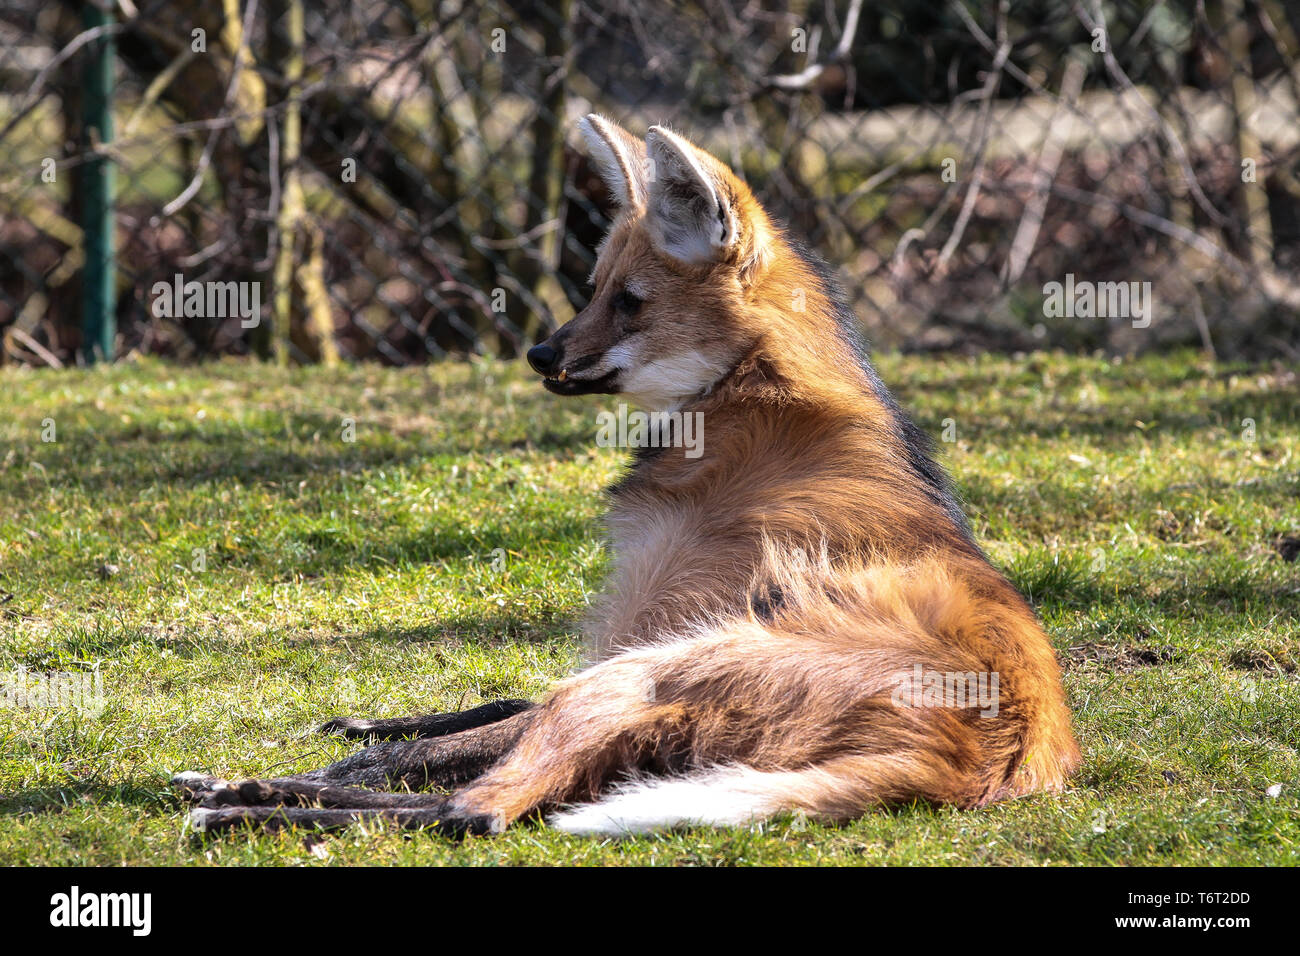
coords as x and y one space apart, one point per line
401 179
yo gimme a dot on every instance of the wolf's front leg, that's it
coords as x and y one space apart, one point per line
405 764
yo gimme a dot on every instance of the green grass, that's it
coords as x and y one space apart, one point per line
442 558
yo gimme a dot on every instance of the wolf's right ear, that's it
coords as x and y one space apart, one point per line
619 156
690 211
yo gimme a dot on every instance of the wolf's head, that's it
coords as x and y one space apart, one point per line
675 279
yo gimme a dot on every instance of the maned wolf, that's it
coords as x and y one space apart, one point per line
796 616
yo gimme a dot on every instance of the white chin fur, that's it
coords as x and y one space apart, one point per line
665 383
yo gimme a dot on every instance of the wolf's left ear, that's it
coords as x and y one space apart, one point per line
619 156
689 207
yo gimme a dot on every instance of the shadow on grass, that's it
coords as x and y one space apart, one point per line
57 798
102 455
982 497
523 531
1170 414
1055 582
493 629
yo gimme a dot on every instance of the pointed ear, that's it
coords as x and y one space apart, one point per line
619 156
689 207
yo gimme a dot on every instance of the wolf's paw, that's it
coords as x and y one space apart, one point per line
354 727
246 793
215 819
458 824
213 792
194 786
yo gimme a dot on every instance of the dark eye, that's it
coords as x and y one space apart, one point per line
626 303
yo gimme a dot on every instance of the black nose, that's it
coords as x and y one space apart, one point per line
542 358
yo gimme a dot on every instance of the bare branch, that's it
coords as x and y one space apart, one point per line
986 110
35 95
1049 158
808 76
190 191
1098 20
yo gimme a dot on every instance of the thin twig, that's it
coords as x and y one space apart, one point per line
1014 71
521 240
986 111
808 76
34 95
156 88
1275 286
1049 159
45 355
190 191
1098 20
1203 326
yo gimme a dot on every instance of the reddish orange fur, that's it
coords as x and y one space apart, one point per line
804 486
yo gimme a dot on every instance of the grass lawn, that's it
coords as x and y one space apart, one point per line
236 571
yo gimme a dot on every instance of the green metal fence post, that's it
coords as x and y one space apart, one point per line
98 322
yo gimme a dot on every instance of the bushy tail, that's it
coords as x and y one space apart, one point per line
737 796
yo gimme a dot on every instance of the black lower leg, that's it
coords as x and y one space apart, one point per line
298 792
426 725
427 762
394 765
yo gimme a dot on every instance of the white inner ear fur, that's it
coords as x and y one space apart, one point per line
685 213
620 169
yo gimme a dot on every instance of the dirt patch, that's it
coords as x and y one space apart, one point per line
1287 545
1263 659
1117 657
